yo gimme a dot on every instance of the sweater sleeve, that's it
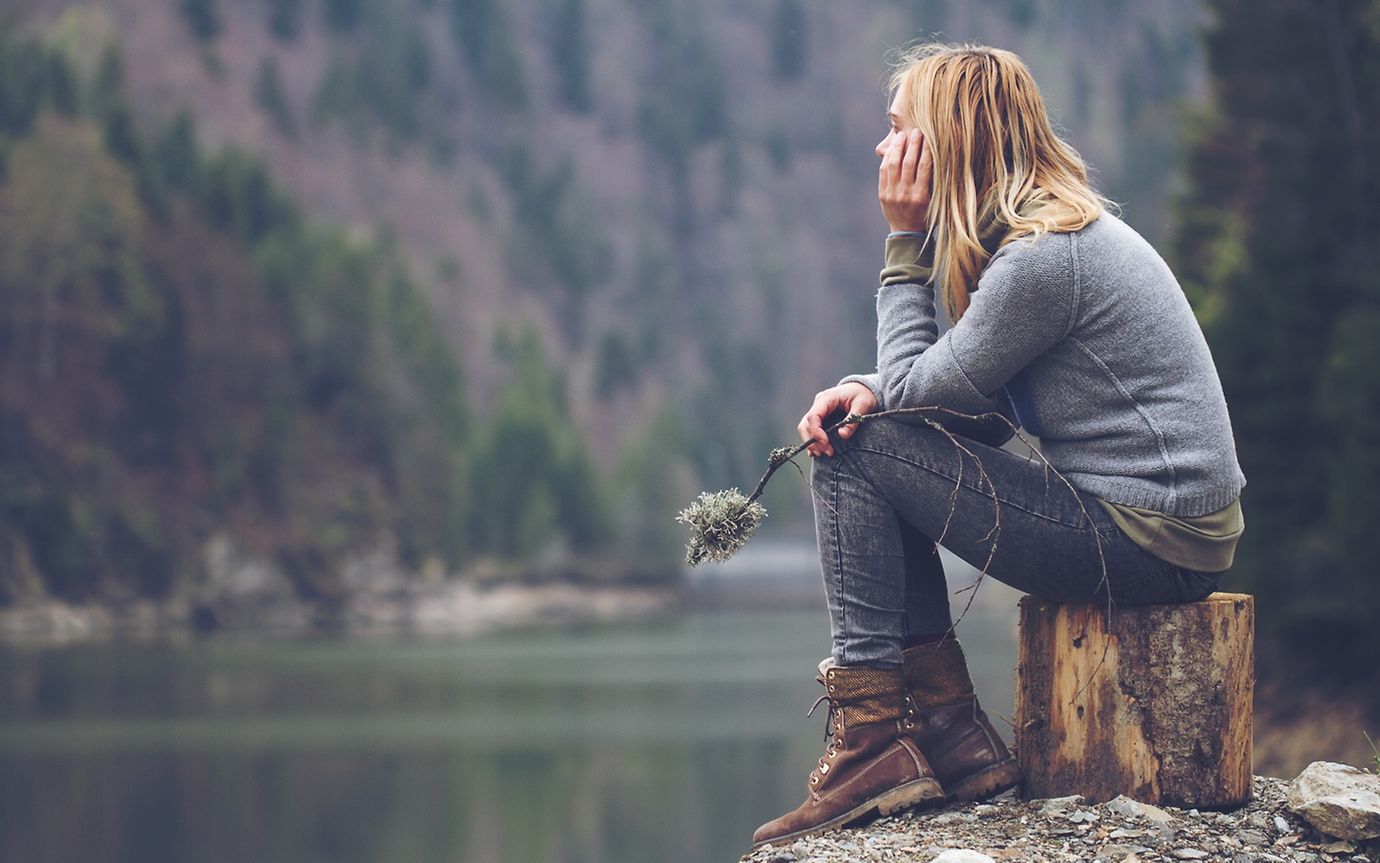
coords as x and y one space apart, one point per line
1024 303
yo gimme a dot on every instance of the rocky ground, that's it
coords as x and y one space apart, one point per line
1006 828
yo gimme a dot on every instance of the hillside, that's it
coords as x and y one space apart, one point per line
642 232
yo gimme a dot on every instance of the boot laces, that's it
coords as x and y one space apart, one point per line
832 733
828 717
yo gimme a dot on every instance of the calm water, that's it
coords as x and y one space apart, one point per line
667 741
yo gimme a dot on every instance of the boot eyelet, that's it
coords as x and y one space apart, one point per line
823 768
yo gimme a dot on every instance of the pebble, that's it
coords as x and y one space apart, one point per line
1058 805
1128 808
1125 833
961 855
1070 830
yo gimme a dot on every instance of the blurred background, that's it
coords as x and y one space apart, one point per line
356 356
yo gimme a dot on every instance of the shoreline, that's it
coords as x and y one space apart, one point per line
452 608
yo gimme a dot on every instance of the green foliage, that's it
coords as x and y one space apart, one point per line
177 155
21 84
552 206
616 366
491 54
685 104
107 88
1276 247
533 480
380 79
232 365
236 194
652 479
268 93
202 18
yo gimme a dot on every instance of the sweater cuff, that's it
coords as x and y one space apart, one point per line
872 382
909 259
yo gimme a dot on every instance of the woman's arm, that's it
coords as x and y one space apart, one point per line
1025 302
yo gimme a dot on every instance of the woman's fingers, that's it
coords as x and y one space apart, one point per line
851 398
811 427
904 181
911 158
863 402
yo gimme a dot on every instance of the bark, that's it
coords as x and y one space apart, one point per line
1158 710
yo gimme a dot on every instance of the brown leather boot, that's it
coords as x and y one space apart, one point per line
871 764
968 757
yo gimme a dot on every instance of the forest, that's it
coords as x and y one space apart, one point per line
504 283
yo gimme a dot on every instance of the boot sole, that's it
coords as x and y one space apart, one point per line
901 797
987 782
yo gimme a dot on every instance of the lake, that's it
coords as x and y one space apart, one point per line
663 740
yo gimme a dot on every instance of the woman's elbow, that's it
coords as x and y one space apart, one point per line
894 389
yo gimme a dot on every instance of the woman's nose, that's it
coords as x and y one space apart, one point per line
881 145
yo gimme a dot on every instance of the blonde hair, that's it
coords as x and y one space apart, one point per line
995 156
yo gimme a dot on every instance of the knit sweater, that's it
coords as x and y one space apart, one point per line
1087 337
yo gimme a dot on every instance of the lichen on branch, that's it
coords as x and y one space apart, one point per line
720 522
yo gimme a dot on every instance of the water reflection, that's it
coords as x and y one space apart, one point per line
670 740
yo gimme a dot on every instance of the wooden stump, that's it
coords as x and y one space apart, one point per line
1163 717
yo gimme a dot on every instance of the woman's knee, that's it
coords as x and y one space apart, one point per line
890 435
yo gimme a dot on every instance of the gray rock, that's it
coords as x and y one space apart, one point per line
945 819
1058 805
1115 851
1189 854
961 855
1128 808
1253 837
1338 800
1281 825
1163 834
1125 833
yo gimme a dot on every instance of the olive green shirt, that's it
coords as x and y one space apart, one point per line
1206 543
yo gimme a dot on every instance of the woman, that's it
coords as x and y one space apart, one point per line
1071 325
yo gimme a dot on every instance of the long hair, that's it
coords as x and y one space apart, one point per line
996 157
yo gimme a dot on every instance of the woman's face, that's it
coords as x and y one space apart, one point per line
900 124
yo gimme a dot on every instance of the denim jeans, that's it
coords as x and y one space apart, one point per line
894 488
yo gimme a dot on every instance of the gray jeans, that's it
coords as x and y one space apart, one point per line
886 495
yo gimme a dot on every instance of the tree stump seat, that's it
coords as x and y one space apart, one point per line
1157 708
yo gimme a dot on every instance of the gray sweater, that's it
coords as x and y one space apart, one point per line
1087 338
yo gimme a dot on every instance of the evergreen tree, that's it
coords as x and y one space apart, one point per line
202 17
570 51
268 92
1277 249
789 39
285 19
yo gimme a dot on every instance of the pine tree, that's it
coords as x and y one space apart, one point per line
1277 250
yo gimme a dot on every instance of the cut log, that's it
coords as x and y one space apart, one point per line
1159 709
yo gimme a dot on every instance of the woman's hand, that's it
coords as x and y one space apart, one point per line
850 398
904 181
